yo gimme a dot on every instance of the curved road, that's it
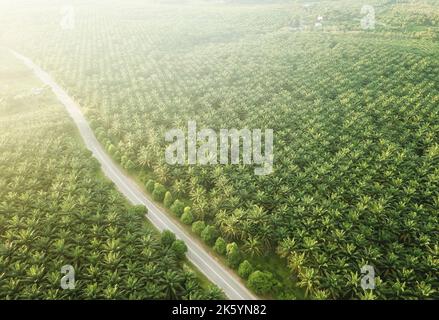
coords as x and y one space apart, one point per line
214 270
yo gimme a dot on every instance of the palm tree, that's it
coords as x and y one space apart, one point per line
131 284
230 227
296 261
353 280
424 290
321 295
253 246
198 194
214 293
308 280
32 292
192 288
143 157
200 208
153 291
399 288
172 284
91 291
92 272
110 292
151 272
368 295
179 187
265 235
12 285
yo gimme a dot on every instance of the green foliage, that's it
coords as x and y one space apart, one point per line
214 293
220 246
167 238
150 184
129 164
245 269
233 255
187 217
261 282
168 200
159 192
354 112
198 227
111 149
116 155
138 210
178 208
56 210
180 248
209 235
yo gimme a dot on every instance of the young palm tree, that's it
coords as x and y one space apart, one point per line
296 261
253 246
368 295
308 280
91 291
172 284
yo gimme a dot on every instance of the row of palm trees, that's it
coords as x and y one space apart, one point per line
355 121
56 211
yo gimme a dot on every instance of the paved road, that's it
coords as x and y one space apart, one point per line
214 270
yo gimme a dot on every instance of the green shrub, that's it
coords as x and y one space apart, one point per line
233 255
150 186
187 217
167 238
261 282
117 156
111 149
220 246
214 293
198 227
209 234
168 200
286 296
180 248
245 269
129 165
142 176
177 208
159 192
138 210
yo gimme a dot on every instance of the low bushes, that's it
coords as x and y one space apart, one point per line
180 248
187 217
245 269
261 282
209 235
178 208
233 255
220 246
168 200
198 227
159 192
150 186
167 238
